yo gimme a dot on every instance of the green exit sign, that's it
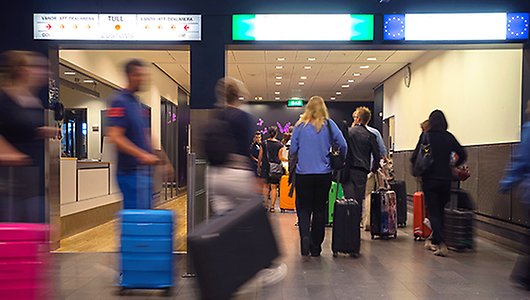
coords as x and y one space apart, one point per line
295 103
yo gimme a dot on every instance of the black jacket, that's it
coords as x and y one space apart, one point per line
442 144
361 146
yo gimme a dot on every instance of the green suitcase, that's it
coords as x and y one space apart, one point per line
335 192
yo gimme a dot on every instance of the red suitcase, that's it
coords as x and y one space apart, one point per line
24 255
421 231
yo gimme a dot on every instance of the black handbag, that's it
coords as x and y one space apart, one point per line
336 159
424 160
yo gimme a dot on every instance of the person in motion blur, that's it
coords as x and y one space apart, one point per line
235 180
272 153
128 130
518 175
363 151
436 182
22 131
311 142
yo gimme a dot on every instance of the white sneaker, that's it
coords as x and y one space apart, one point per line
429 245
442 251
271 276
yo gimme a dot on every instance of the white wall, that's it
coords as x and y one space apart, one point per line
478 90
76 99
110 68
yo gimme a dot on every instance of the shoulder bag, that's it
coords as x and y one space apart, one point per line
276 170
424 160
336 159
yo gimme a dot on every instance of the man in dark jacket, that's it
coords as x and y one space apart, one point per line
362 145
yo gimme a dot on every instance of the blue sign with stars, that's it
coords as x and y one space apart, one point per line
394 27
517 27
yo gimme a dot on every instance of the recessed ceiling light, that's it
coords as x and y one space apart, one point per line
364 67
301 83
276 98
278 83
371 58
338 93
69 73
307 67
279 67
356 74
258 98
279 77
311 59
276 93
241 98
332 98
88 81
303 77
280 59
351 80
345 86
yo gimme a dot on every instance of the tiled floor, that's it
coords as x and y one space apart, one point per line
393 269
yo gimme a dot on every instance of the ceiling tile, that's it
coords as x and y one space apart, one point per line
381 56
249 56
342 56
405 56
320 56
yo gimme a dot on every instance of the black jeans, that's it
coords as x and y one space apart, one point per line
311 194
437 195
355 187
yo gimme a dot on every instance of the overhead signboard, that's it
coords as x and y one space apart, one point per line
457 27
117 27
316 27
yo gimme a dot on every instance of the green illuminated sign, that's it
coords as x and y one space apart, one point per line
317 27
295 103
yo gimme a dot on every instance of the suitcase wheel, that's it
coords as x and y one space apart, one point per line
335 254
354 255
373 237
282 210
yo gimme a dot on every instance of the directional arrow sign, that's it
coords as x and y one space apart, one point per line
186 27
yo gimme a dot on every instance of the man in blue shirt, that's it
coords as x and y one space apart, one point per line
128 130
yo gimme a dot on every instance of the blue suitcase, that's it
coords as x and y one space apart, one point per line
146 251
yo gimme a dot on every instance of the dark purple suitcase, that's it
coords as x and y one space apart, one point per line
383 220
346 228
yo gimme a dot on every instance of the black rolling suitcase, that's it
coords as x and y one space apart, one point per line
230 249
400 189
346 236
459 222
